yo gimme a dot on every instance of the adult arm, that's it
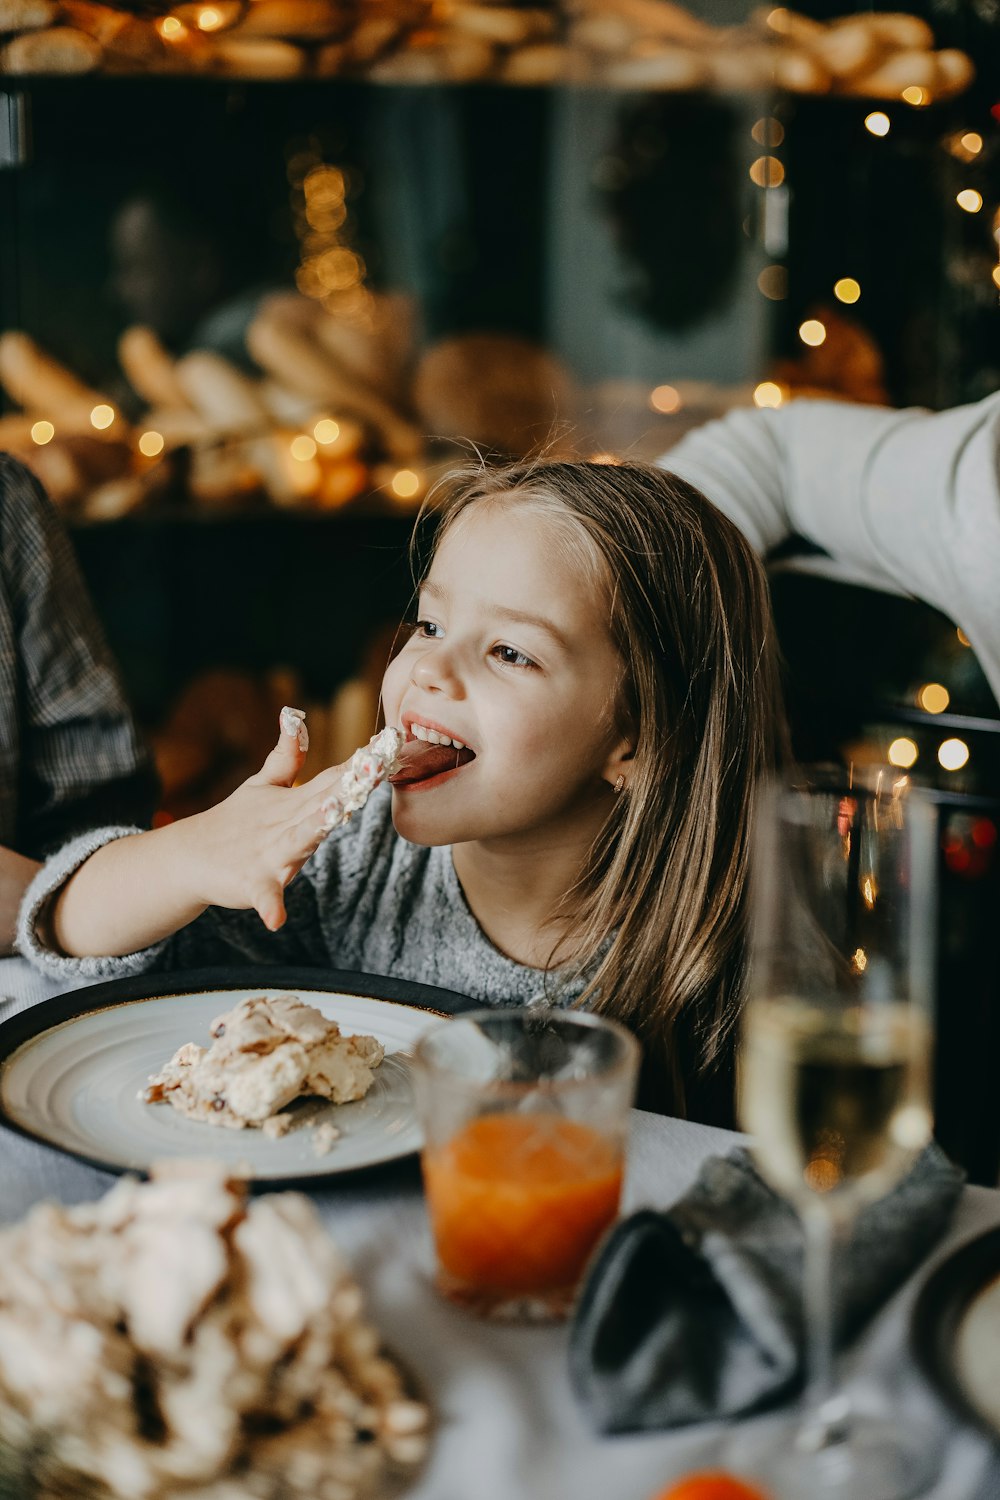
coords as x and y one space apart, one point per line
909 500
70 754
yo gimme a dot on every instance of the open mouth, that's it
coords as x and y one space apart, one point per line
420 760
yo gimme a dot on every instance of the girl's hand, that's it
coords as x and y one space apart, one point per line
244 851
134 892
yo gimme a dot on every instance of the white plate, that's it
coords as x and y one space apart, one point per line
77 1086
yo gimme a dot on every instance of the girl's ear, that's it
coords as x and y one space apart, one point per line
618 765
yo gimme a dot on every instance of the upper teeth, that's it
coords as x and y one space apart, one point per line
433 737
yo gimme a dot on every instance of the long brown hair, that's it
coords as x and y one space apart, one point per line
658 916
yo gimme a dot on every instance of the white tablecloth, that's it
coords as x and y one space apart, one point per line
507 1425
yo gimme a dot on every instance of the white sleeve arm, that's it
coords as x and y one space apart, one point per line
907 499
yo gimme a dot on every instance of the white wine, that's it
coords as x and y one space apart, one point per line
837 1099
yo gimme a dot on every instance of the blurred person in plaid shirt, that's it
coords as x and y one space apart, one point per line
71 757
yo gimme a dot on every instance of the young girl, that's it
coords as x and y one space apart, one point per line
594 644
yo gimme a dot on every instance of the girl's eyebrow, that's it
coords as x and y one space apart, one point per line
513 616
523 617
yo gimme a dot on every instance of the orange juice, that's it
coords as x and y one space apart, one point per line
517 1203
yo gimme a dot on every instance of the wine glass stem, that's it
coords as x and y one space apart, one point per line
827 1408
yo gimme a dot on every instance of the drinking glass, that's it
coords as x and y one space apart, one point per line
834 1075
525 1118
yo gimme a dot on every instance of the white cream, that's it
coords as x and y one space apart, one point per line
368 768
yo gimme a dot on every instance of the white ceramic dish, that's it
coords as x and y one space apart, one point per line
76 1082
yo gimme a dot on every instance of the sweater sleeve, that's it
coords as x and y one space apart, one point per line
909 500
31 939
218 936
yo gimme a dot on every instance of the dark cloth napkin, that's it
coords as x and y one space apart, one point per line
696 1313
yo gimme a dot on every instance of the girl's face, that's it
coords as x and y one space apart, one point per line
511 657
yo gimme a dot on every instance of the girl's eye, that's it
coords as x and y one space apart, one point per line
511 657
427 629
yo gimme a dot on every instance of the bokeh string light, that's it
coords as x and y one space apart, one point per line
768 394
953 754
933 698
903 752
330 271
665 399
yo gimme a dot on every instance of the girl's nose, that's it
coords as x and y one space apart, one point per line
435 671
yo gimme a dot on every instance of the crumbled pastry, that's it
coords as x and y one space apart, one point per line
177 1341
305 1112
276 1126
324 1137
265 1052
368 768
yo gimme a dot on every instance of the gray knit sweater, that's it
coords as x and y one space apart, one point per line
367 900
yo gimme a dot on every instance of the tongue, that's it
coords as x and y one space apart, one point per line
419 760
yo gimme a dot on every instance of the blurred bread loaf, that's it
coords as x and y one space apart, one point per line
500 391
41 384
149 369
26 15
257 57
288 347
295 20
58 49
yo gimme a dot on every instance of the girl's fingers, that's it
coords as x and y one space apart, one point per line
302 839
270 906
324 812
292 843
309 835
318 791
286 759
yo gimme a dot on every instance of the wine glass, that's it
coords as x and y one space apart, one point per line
834 1074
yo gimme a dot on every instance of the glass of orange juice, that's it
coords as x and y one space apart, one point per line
525 1118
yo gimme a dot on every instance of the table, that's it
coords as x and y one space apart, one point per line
507 1424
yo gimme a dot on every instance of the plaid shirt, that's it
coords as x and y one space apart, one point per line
70 755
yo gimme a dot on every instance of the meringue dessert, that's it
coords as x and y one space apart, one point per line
178 1340
265 1052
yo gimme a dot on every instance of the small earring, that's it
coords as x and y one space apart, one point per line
619 784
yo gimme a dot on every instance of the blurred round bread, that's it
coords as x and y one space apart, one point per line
501 391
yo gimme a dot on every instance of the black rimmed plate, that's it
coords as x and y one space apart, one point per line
72 1070
956 1331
